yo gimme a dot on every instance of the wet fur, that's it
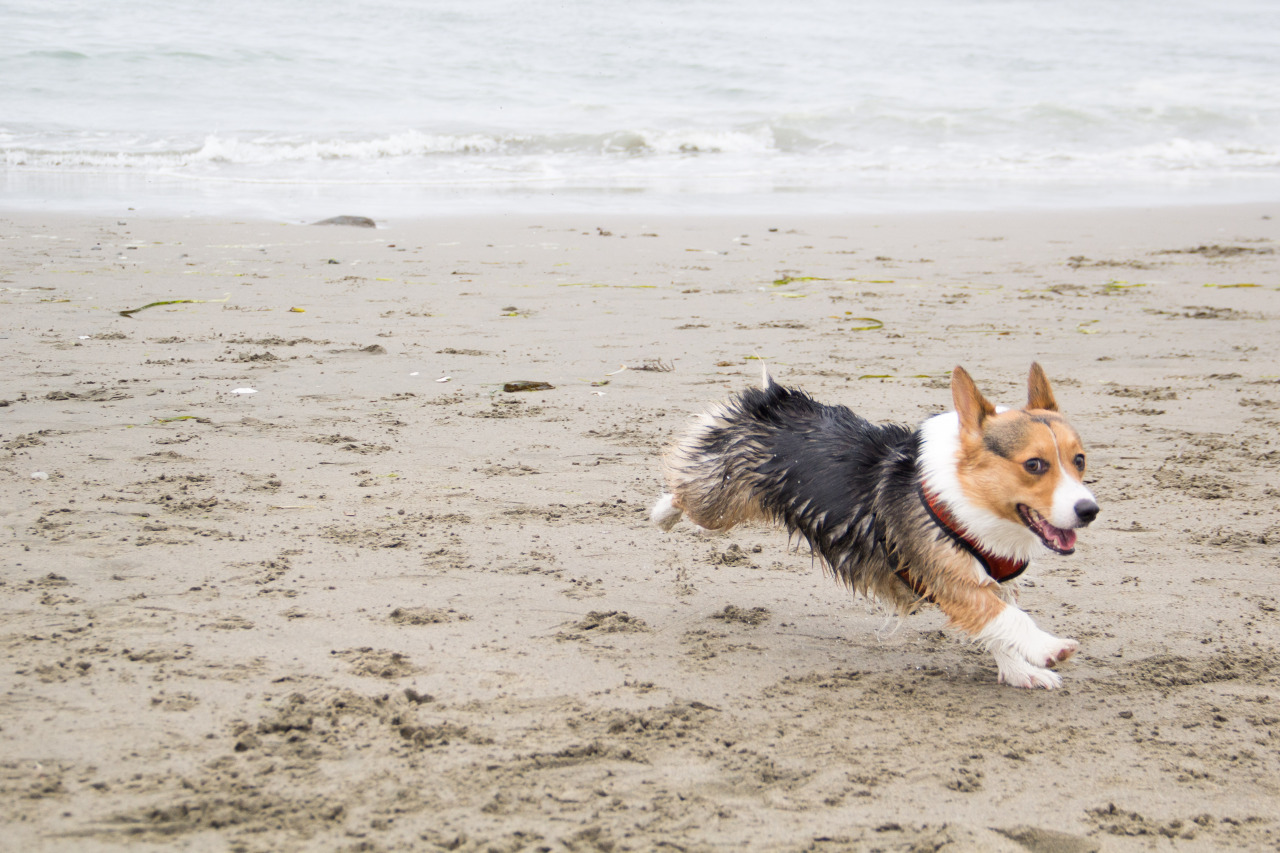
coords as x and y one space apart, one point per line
851 489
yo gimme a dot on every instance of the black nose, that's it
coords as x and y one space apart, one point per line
1086 511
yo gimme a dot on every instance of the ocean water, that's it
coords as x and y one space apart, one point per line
300 108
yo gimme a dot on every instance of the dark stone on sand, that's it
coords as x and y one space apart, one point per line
357 221
526 385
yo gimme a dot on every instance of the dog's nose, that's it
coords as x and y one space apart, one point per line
1086 511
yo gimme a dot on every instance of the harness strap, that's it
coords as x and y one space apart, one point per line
1001 569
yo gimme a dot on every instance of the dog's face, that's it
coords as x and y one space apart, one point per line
1025 465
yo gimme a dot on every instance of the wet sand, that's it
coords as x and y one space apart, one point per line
384 604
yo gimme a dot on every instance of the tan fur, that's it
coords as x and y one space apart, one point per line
998 483
944 575
969 607
971 406
1001 484
1039 394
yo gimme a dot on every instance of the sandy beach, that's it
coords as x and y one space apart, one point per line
381 603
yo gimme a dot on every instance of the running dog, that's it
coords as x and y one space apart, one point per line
947 513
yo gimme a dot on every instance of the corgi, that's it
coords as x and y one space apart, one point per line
948 513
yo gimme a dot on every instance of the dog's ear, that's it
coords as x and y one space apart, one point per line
1039 394
971 406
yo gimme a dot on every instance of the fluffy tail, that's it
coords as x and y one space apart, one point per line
665 513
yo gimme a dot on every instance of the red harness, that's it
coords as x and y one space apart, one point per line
1001 569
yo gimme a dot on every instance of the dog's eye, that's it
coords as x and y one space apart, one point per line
1036 465
1079 460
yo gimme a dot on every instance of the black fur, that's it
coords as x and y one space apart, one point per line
848 486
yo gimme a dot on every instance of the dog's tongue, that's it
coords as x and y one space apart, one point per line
1063 540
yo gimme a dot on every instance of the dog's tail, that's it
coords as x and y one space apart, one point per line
765 379
665 513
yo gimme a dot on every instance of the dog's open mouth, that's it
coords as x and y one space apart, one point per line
1054 538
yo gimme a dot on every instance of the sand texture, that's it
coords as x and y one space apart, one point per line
384 604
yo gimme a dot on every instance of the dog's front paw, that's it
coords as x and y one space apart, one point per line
1023 652
1017 672
1051 650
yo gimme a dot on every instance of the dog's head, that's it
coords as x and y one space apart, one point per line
1025 466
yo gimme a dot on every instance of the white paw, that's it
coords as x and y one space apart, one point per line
1048 650
665 513
1023 652
1017 672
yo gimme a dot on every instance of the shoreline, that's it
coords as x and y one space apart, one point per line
174 196
1170 214
382 600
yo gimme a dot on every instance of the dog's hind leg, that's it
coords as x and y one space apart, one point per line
665 513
